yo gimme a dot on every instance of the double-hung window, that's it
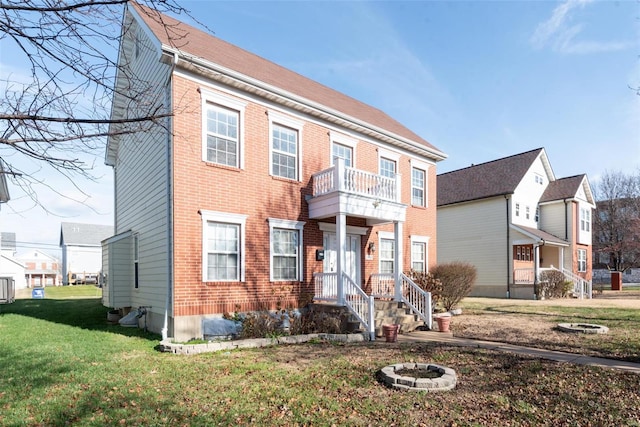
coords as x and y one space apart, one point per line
419 253
284 147
417 187
343 152
387 254
585 219
286 250
582 260
222 129
223 246
387 167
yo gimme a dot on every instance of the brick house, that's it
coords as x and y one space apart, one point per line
40 269
513 219
270 190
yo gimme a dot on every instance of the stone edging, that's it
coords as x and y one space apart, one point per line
446 381
585 328
170 347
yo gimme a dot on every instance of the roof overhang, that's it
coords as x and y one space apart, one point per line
539 236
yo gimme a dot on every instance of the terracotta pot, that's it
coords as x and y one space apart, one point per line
390 332
443 323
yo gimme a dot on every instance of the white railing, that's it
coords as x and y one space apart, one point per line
581 287
325 286
417 299
523 275
382 285
355 181
360 304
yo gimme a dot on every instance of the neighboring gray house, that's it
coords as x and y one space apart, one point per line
82 251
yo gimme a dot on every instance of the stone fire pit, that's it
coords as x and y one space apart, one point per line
418 377
585 328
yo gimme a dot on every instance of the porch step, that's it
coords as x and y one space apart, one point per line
393 312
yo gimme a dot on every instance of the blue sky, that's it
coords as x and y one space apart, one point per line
480 80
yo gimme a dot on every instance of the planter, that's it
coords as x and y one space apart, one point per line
390 332
113 316
443 321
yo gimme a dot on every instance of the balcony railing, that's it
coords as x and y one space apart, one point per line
347 179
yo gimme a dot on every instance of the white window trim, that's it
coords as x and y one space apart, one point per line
338 138
425 202
290 225
385 235
425 240
391 155
287 121
229 218
208 96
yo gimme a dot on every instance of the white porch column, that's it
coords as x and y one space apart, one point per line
561 260
397 261
341 244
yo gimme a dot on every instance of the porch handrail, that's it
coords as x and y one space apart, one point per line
325 286
417 299
382 285
360 304
580 286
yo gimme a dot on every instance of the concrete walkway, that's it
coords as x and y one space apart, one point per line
558 356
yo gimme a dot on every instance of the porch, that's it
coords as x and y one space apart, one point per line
582 288
342 191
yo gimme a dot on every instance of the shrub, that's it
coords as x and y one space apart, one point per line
457 281
553 285
427 282
311 321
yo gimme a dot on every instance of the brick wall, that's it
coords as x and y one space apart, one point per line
253 192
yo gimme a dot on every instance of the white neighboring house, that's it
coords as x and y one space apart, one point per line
82 251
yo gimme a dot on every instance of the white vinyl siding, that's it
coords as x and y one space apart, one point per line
460 238
141 183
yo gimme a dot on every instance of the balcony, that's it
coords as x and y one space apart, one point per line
354 192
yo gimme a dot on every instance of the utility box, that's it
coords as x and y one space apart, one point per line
7 290
616 281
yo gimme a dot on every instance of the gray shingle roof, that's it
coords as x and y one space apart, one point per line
78 234
494 178
563 188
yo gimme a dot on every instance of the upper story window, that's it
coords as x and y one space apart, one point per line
342 152
222 129
387 167
284 154
418 187
527 212
223 246
539 179
343 147
517 209
285 146
537 218
585 219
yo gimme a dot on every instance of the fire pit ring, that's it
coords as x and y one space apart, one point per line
418 377
585 328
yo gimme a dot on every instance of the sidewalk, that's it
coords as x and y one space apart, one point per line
558 356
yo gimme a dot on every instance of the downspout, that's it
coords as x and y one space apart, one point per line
506 199
168 99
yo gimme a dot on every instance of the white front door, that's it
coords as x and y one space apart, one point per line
352 256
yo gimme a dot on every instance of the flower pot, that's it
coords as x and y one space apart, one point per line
390 332
443 322
113 316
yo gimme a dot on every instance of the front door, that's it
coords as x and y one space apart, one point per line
352 256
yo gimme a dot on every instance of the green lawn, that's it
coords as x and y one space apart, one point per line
62 364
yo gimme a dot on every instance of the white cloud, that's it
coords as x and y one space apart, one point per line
562 36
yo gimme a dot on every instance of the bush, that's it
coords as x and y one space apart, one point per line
457 281
428 283
553 284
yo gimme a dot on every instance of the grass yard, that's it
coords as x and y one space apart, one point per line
62 364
